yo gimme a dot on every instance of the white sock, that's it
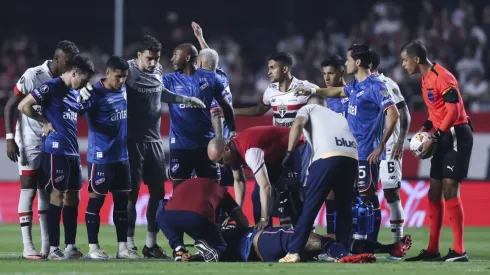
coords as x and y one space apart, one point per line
69 247
151 238
130 243
396 220
42 209
25 215
93 246
122 246
53 248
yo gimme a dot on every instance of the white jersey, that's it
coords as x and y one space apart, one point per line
327 133
397 97
27 130
285 105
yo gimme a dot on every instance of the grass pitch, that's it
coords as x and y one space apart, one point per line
477 244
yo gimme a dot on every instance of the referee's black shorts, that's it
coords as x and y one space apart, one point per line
452 154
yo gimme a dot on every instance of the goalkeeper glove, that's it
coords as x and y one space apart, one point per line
193 102
85 92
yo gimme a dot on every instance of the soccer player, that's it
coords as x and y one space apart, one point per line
333 166
192 210
192 129
261 148
372 117
453 142
145 94
107 157
59 100
208 59
26 149
390 173
333 74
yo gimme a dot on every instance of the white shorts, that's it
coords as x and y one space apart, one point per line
29 161
390 173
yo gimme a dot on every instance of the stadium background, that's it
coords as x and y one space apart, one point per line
456 33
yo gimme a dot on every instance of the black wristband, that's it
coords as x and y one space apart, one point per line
428 125
438 135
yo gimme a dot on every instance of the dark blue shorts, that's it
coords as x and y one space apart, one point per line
114 177
183 163
368 176
227 179
273 243
62 173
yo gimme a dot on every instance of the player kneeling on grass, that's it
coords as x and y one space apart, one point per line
107 156
61 163
192 210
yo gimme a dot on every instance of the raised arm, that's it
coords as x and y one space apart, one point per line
198 33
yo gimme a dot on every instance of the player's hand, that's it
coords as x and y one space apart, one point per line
425 147
197 29
261 225
374 156
48 127
186 257
217 112
287 161
397 152
12 150
302 91
86 92
194 102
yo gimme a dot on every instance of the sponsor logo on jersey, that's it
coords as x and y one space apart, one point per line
360 93
345 143
110 100
70 115
119 115
179 88
344 100
286 124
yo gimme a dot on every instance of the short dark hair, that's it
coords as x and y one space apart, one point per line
149 43
68 47
375 60
82 64
117 63
361 52
334 61
283 57
415 48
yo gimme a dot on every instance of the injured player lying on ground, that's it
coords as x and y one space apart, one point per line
270 245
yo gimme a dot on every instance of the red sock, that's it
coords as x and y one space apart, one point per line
436 216
454 208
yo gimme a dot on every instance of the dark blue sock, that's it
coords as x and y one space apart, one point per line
120 217
92 219
331 209
70 217
377 216
54 216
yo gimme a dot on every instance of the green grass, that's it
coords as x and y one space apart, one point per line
477 244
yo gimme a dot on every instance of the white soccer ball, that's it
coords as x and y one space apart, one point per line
415 143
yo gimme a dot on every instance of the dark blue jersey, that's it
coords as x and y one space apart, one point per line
338 105
60 106
107 121
191 128
367 102
227 94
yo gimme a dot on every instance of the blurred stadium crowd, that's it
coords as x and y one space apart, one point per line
456 35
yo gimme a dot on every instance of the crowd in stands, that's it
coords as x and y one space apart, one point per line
456 36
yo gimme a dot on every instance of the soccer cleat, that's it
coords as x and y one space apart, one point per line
324 257
364 258
400 248
453 256
127 254
30 253
97 254
290 258
56 255
425 256
206 251
155 252
73 254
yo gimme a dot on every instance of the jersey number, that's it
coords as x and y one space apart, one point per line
391 167
362 172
